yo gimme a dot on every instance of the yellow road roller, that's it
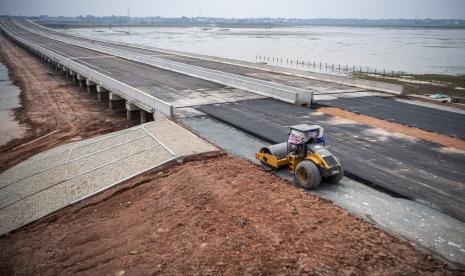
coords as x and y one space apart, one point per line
306 155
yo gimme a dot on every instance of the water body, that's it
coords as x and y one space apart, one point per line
9 100
413 50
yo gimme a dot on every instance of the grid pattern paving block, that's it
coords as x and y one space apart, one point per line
178 139
59 177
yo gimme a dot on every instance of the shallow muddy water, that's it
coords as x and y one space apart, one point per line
9 100
413 50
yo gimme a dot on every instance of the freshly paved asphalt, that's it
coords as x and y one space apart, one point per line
431 119
412 168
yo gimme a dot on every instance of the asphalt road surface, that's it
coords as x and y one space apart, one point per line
431 119
412 168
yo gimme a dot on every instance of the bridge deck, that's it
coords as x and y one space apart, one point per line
295 81
177 89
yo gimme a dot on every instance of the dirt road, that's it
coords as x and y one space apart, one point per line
217 216
53 109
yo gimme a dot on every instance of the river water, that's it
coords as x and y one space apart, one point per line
412 50
9 100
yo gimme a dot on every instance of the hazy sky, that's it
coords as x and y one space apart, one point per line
371 9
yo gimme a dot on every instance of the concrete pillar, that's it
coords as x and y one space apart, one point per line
143 116
99 96
112 98
100 92
73 75
90 89
129 110
90 86
81 80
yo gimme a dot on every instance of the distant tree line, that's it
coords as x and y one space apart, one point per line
90 19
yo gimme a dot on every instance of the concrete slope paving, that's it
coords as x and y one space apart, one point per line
59 177
431 119
416 169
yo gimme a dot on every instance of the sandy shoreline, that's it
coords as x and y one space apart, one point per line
9 101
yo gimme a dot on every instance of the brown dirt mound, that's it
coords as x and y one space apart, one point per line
54 110
217 216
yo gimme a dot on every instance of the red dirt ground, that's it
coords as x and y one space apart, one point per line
222 215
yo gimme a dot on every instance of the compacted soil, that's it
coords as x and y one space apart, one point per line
220 215
54 110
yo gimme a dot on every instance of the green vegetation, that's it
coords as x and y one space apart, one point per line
423 83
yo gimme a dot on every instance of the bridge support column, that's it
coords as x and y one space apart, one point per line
101 93
143 116
65 71
90 86
81 80
130 108
73 75
112 99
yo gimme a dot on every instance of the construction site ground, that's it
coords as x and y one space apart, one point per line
219 215
417 169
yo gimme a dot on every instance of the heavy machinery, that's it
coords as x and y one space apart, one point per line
306 155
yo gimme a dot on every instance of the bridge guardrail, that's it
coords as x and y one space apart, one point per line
129 93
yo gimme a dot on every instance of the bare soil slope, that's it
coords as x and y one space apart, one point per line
217 216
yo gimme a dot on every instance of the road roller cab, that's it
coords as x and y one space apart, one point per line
306 155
